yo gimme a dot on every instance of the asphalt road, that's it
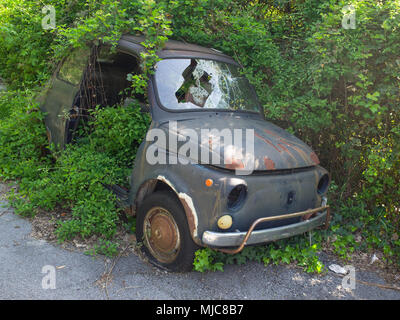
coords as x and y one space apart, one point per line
22 259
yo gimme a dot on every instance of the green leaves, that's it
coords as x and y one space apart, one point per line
118 132
295 251
75 180
22 137
204 261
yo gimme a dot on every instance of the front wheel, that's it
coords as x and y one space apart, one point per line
163 228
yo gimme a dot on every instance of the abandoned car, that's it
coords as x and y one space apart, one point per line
181 206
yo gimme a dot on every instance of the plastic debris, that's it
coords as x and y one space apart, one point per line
374 258
337 269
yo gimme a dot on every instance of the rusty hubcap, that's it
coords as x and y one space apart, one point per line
161 234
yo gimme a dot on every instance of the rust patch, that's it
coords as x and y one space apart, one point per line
308 216
270 132
283 147
314 157
302 154
269 164
279 148
283 140
235 164
190 219
267 141
288 152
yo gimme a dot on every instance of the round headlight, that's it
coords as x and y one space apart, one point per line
323 184
237 197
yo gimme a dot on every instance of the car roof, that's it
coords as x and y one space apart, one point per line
173 49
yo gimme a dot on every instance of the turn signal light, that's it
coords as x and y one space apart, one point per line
209 182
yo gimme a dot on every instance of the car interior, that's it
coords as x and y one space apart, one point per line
105 83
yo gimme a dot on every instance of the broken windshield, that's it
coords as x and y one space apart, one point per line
198 83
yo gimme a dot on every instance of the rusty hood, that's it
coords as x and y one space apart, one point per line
272 147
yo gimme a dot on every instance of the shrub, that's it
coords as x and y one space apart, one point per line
76 182
23 140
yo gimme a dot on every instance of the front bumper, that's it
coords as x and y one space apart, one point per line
240 239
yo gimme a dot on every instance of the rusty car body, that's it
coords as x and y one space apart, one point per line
181 207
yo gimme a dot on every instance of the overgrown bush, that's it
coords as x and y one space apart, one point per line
76 181
26 55
336 88
22 136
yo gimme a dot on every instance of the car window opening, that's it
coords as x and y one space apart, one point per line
104 84
208 84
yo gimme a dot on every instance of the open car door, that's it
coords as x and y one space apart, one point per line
59 99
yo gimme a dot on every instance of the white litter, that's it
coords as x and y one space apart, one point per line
337 269
374 258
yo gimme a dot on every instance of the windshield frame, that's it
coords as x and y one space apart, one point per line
199 109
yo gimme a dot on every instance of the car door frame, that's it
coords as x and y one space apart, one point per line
57 101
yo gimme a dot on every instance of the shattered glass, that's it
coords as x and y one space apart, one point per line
200 83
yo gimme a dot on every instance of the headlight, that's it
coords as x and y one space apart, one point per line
323 184
237 197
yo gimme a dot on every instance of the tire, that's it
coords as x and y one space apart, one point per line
162 226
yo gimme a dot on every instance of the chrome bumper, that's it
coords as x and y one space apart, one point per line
233 239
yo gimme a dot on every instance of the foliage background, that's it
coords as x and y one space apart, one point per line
335 88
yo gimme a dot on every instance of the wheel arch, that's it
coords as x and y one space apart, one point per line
161 183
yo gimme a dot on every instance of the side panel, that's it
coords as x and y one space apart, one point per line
57 105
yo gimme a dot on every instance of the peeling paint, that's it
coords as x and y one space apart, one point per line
293 145
269 164
314 157
235 164
283 147
269 132
191 214
188 205
267 141
165 180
